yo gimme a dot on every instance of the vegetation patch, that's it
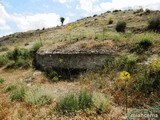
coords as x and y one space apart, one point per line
18 94
2 81
154 24
121 26
38 96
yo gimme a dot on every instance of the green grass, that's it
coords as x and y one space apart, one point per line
101 102
2 81
85 100
16 58
38 96
3 60
18 94
3 49
69 104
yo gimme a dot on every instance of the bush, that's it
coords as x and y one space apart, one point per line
69 104
3 49
121 26
18 94
36 47
148 79
116 10
110 21
11 88
38 96
145 43
3 60
53 75
147 11
101 102
18 58
138 11
124 62
24 63
154 24
1 81
94 15
85 100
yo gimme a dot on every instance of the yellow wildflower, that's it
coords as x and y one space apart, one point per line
70 27
125 75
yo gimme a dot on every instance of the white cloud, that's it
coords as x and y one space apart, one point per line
95 6
88 6
63 1
36 21
3 19
118 4
27 22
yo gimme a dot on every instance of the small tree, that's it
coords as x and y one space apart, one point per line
62 19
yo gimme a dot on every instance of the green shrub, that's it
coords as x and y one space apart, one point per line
101 102
116 10
38 96
69 104
18 94
138 11
11 88
15 54
36 47
25 54
94 15
124 62
3 60
110 21
145 43
1 81
147 11
53 75
154 24
19 58
148 80
21 62
121 26
3 49
85 100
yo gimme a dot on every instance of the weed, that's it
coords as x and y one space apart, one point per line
2 81
18 94
3 49
85 100
36 47
69 104
101 102
11 88
53 75
38 96
3 60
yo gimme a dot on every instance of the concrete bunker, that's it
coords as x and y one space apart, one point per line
68 63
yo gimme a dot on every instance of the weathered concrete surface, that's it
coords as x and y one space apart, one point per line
77 60
73 57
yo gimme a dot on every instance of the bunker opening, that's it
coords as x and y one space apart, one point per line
65 73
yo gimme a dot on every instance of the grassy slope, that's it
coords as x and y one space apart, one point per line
86 33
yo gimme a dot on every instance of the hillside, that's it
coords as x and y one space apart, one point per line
130 75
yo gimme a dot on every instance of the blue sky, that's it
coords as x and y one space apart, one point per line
24 15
